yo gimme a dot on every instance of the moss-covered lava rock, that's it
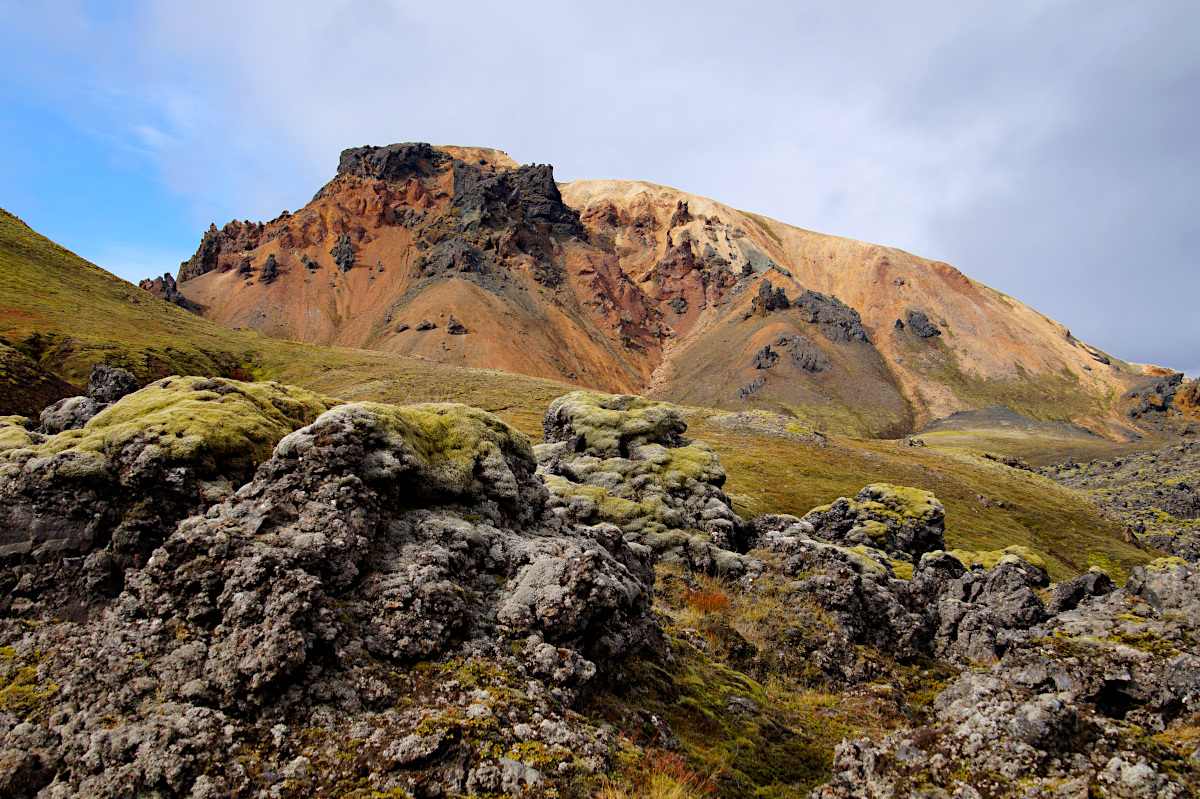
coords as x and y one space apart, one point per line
624 460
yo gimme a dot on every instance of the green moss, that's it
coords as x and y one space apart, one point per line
220 425
21 691
1165 564
990 559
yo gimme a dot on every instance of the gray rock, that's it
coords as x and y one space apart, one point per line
108 384
919 323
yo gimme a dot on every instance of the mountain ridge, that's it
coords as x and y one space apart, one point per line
632 287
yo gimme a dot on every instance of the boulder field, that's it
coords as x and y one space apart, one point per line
213 588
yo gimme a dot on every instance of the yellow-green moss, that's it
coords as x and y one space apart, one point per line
1164 564
21 692
989 559
216 423
14 433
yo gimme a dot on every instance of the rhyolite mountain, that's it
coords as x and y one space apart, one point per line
461 255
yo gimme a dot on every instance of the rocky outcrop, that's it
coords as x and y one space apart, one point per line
1156 494
837 321
919 323
270 270
106 385
343 253
221 249
768 300
454 256
524 201
165 288
455 327
624 460
905 522
391 577
1064 713
78 507
765 358
804 355
395 162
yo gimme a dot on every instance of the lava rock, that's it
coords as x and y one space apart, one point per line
919 323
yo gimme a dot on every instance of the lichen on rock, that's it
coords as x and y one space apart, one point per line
623 460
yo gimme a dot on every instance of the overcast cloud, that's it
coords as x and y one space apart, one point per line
1049 149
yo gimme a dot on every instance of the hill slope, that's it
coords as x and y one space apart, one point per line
462 256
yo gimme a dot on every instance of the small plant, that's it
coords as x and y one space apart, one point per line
707 601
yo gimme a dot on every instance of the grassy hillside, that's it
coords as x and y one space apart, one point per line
67 314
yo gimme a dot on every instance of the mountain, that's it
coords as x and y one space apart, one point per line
461 255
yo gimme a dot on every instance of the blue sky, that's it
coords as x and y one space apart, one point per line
1048 149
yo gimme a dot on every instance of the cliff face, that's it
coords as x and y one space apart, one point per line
631 287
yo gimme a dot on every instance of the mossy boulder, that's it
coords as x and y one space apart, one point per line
113 490
624 460
906 522
989 559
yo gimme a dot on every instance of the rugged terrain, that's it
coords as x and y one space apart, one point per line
209 592
304 572
462 256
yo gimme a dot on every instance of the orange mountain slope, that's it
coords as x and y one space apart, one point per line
462 256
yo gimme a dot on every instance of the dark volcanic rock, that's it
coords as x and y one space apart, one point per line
270 270
624 460
78 508
765 358
524 198
166 289
395 162
838 321
455 327
681 216
751 387
390 576
106 385
805 355
1067 708
425 324
768 300
919 323
455 255
343 253
896 519
220 249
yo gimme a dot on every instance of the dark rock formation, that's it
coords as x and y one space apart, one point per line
919 323
75 510
455 327
805 355
270 270
837 321
454 255
679 305
623 460
754 385
681 216
166 289
768 300
395 162
896 519
1068 706
220 249
106 385
343 253
765 358
425 324
1069 593
372 539
1154 396
523 200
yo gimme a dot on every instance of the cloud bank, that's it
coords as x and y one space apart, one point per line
1045 148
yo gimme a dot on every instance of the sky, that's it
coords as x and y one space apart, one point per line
1048 149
